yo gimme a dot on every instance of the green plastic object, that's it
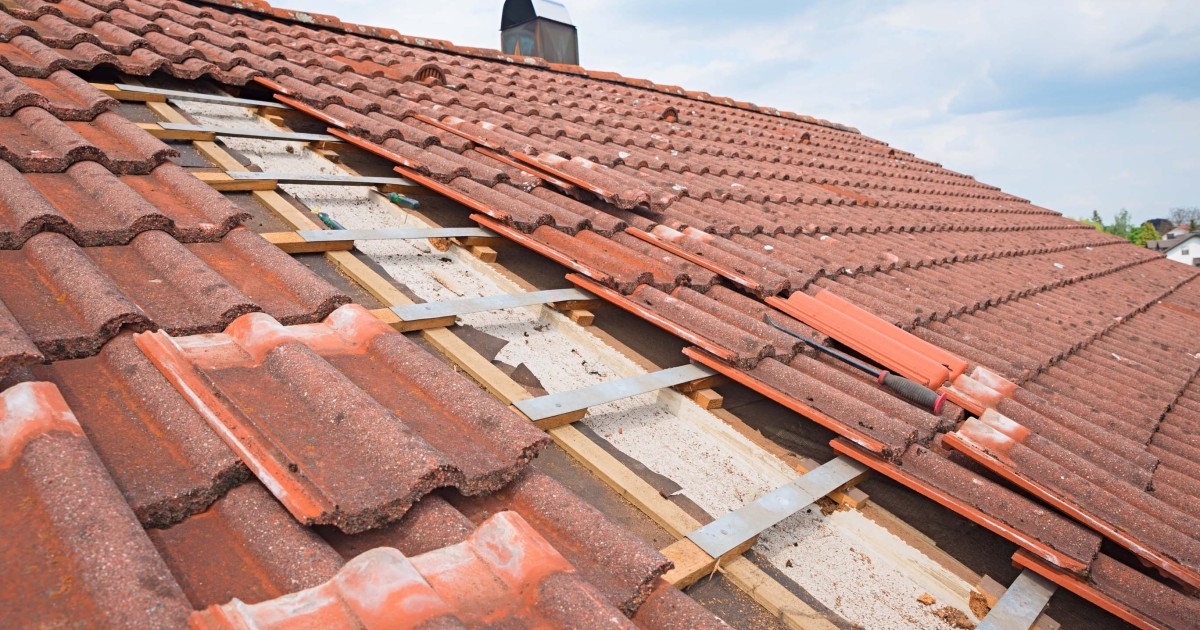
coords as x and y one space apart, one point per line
330 221
401 200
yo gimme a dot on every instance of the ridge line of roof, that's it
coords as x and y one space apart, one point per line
332 22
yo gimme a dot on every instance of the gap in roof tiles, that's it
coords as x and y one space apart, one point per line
664 431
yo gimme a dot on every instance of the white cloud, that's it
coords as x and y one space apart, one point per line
1076 105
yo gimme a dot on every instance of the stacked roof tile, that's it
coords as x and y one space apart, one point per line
686 209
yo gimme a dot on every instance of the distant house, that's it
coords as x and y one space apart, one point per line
1176 232
1184 248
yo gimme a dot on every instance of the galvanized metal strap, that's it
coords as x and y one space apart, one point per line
251 132
724 534
1020 605
179 95
333 180
599 394
430 310
388 234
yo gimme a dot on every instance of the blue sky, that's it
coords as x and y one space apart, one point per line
1076 105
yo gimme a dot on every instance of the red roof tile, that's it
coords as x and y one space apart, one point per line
504 573
318 411
94 207
164 458
246 546
153 281
71 547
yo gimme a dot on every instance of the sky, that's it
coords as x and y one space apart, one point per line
1075 105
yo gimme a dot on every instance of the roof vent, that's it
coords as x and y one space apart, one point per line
427 73
539 28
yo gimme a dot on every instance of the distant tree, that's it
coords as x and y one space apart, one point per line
1185 215
1095 221
1122 224
1143 235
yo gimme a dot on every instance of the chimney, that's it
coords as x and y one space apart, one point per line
539 28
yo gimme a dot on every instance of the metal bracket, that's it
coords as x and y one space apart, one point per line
1020 606
731 530
178 95
251 132
387 234
586 397
331 180
451 308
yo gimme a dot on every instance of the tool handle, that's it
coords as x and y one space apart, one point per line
913 392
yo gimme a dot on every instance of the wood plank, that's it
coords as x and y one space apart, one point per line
692 563
585 397
224 183
707 399
484 253
582 317
129 95
426 310
715 380
581 305
794 612
158 130
166 112
294 243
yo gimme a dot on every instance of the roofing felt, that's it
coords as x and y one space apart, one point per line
660 196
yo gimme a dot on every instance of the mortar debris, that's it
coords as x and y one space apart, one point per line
954 617
979 605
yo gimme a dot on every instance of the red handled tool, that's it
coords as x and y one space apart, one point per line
911 391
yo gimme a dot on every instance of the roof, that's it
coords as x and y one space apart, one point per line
1168 244
697 213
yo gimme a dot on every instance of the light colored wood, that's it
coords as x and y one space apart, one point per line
401 325
707 399
213 152
693 564
699 384
484 253
124 95
225 183
157 131
484 241
293 243
561 420
774 597
583 318
580 305
166 112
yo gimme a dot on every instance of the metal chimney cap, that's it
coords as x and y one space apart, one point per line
517 12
